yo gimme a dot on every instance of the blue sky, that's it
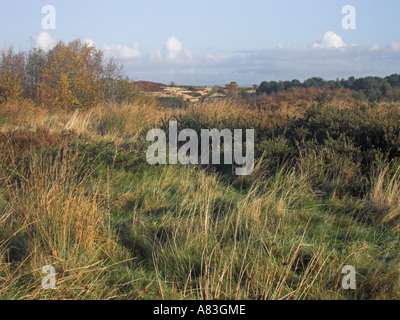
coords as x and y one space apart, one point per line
207 42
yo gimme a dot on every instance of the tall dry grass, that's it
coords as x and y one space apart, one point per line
383 200
53 214
106 122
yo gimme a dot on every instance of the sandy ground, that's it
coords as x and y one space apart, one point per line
194 94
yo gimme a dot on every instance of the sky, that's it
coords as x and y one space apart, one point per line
204 42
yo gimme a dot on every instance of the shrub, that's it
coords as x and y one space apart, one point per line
173 102
119 90
70 79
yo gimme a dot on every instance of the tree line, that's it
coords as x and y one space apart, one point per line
371 88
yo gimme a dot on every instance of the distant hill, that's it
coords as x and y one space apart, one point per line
148 86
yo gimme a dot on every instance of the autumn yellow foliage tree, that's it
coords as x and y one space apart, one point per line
10 87
11 76
70 80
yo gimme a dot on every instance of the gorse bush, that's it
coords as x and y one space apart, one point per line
371 130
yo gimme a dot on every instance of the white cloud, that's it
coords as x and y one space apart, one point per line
375 47
394 46
43 40
172 54
213 58
176 52
121 51
329 40
174 48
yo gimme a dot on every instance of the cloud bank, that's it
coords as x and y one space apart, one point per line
330 58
